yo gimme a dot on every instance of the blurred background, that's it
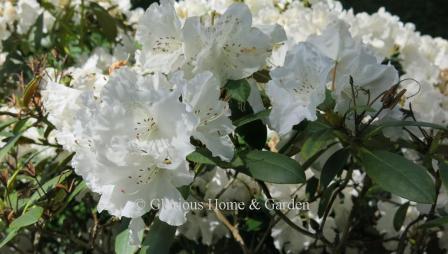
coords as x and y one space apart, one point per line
429 16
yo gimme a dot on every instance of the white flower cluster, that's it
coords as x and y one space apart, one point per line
423 58
132 130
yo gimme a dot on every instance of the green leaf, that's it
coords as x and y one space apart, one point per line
10 235
250 118
399 176
273 167
400 216
47 186
334 165
436 222
238 89
107 22
122 245
253 134
312 185
443 171
376 129
39 33
253 225
30 90
316 142
202 156
5 124
329 103
159 238
8 146
325 199
28 218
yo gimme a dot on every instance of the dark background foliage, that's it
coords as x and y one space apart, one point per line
429 16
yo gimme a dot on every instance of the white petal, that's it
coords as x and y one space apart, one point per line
159 34
298 87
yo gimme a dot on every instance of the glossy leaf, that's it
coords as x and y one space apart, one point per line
443 171
436 222
400 216
158 239
316 142
273 167
334 165
202 156
376 129
398 175
238 89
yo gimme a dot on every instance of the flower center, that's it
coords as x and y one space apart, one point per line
145 175
166 44
145 128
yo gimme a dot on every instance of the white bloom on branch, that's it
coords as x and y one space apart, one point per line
351 59
229 47
298 87
159 33
132 151
202 94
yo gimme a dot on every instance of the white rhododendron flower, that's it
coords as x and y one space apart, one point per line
65 114
351 60
28 11
159 33
298 87
202 94
229 47
133 153
203 226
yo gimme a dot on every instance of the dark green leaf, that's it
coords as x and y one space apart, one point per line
328 103
106 21
443 171
8 146
202 156
47 186
238 89
253 225
273 167
28 218
400 216
253 134
314 224
159 238
250 118
399 176
376 129
334 165
316 142
325 199
311 187
39 33
436 222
